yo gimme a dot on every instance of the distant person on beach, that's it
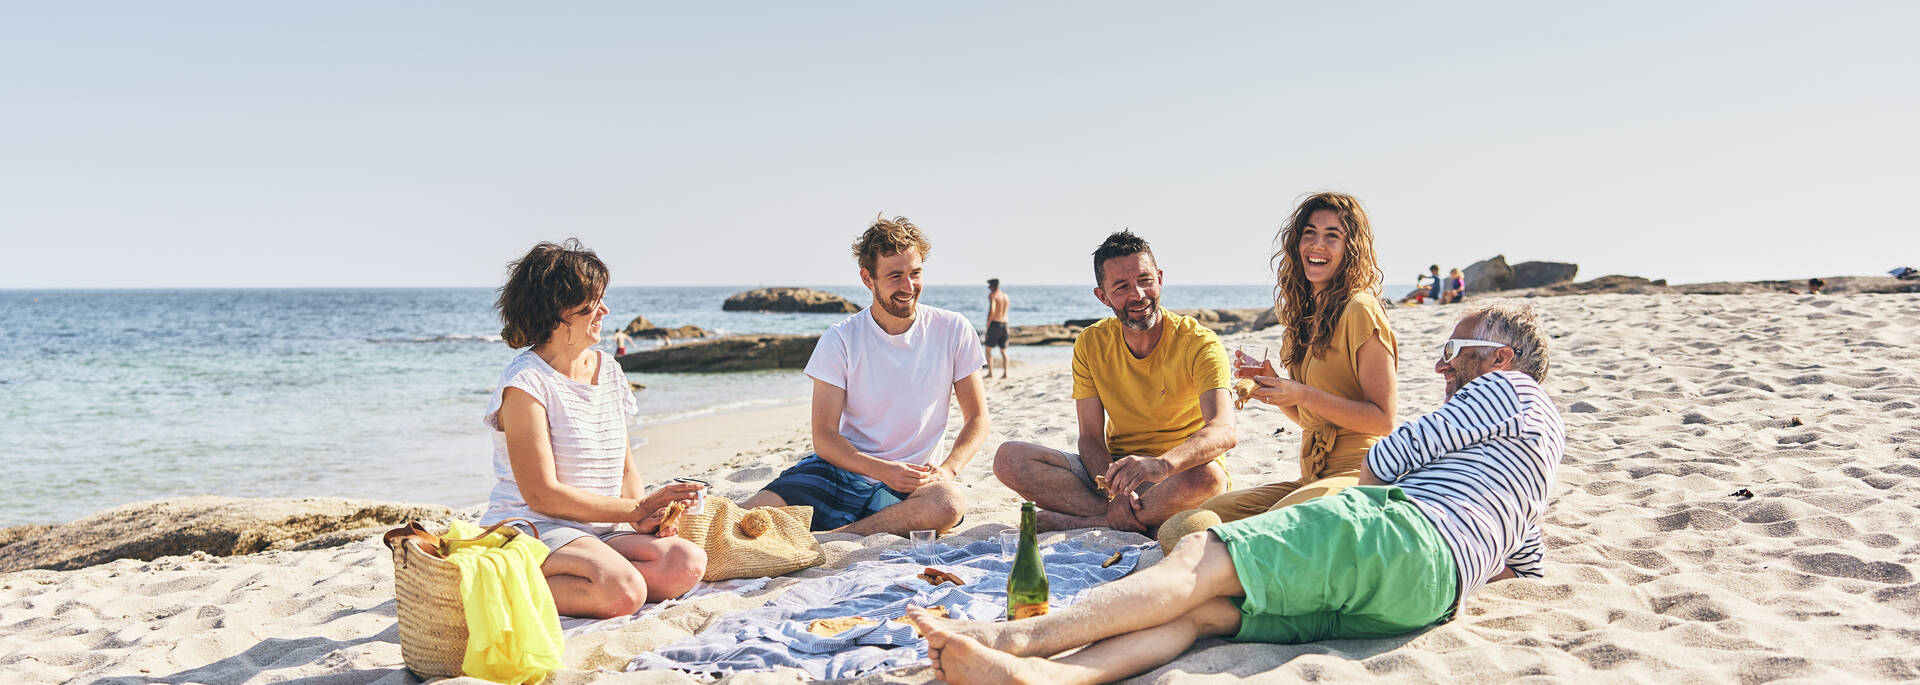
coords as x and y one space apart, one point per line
1451 501
882 383
1150 390
997 305
1434 289
561 455
1339 353
1814 285
620 342
1456 288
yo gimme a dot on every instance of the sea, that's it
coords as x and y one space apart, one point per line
115 396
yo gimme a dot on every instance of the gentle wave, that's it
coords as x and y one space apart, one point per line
451 337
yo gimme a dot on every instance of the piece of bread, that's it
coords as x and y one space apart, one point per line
935 576
674 510
1242 392
829 627
755 524
1100 483
1115 559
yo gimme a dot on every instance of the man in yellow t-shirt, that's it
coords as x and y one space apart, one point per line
1151 389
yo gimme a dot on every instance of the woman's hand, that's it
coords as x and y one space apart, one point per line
650 525
1280 392
652 506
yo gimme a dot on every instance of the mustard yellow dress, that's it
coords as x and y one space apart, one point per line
1330 456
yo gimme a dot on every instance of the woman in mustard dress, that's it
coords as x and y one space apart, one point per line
1339 354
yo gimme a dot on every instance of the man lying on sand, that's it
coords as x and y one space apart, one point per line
1468 489
1151 389
881 383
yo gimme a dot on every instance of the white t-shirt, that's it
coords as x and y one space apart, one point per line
587 424
898 386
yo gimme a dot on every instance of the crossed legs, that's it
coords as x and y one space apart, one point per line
1043 475
594 579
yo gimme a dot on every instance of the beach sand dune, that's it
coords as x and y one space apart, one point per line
1656 571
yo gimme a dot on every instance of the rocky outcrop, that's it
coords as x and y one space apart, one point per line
640 327
222 526
1044 334
736 353
1488 275
790 300
1230 320
1634 285
1542 274
1495 274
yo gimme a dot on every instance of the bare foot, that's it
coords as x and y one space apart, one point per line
997 636
961 660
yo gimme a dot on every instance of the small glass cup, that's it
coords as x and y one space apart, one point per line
1249 360
699 504
922 546
1009 544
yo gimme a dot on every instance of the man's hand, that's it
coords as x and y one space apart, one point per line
902 477
942 473
1121 514
1128 474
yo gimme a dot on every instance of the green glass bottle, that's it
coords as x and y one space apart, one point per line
1027 583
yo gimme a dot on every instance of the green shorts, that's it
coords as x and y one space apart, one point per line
1363 562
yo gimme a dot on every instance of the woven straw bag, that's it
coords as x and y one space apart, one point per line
784 542
426 590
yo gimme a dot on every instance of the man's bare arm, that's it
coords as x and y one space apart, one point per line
971 395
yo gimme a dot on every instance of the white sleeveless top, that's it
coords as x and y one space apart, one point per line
588 426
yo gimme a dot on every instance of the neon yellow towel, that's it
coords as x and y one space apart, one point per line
513 630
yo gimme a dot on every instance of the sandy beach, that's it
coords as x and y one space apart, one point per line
1656 571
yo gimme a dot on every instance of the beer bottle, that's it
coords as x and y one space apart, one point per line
1027 583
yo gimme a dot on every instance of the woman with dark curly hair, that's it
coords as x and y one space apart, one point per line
560 450
1339 354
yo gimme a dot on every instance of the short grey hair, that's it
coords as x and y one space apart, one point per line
1519 328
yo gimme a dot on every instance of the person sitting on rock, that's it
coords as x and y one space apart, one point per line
1452 501
561 455
1151 392
882 383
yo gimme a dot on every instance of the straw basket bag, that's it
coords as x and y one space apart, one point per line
769 541
426 589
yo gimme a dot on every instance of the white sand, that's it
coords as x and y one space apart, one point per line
1655 573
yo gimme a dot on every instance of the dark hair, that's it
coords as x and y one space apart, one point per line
1123 243
1435 267
993 283
543 285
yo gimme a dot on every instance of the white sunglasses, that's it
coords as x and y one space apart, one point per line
1452 348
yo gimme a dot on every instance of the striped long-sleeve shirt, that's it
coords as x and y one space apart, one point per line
1480 467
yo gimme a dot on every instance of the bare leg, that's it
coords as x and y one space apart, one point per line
936 506
1198 572
1041 474
671 566
1004 365
960 660
591 580
764 498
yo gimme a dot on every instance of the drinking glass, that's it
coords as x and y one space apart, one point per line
922 546
1249 361
699 504
1009 544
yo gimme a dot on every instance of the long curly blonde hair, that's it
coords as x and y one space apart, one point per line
1311 319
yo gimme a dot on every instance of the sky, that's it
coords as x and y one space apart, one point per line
348 144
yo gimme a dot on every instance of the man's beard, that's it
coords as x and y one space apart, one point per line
898 310
1146 321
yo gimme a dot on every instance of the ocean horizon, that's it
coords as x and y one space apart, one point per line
123 395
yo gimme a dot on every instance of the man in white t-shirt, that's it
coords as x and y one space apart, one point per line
882 382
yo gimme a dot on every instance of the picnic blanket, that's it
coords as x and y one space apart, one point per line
775 635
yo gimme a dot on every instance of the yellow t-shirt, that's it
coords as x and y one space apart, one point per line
1152 404
1337 370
